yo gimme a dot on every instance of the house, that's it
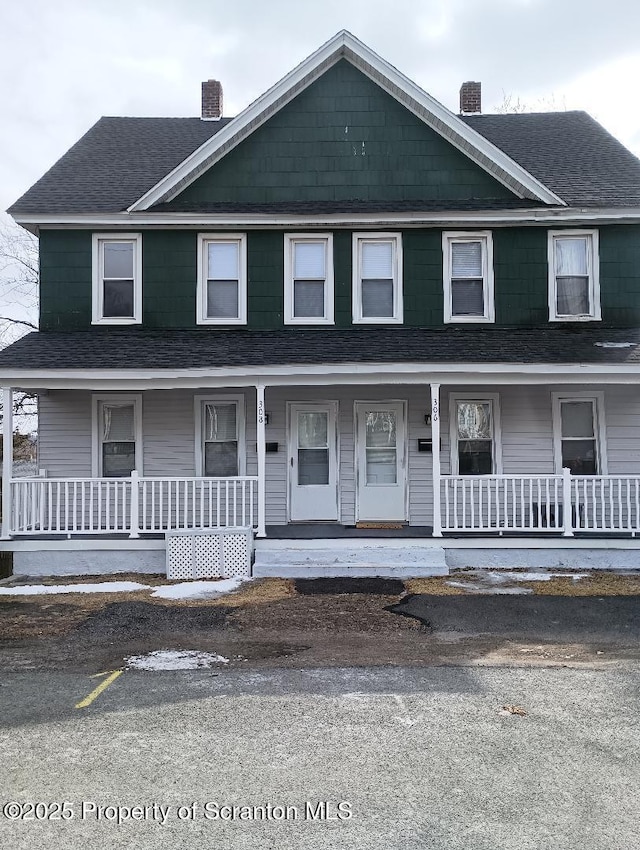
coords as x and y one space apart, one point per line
378 335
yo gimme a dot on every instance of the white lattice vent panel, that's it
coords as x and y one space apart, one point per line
207 562
236 554
209 553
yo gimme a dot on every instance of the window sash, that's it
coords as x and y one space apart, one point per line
116 435
221 279
468 276
579 451
474 433
377 295
308 270
220 428
573 275
117 273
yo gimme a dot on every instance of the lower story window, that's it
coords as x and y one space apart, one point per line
117 439
576 423
221 425
474 436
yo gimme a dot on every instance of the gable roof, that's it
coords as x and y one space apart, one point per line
569 152
346 46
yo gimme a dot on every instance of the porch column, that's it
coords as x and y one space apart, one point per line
262 460
7 459
435 454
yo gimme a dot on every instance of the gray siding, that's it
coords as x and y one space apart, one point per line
169 435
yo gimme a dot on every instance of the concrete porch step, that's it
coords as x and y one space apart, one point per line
363 558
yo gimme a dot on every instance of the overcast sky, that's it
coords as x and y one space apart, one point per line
63 64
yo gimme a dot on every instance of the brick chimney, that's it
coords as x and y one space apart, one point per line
470 98
211 100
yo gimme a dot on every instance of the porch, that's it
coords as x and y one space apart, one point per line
383 482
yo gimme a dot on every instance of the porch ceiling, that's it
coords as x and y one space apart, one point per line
363 355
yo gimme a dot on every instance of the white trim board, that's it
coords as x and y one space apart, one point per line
345 46
379 220
470 374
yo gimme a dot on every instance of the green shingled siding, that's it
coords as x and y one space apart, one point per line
343 138
169 285
65 279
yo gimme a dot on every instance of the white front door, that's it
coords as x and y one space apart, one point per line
380 457
313 461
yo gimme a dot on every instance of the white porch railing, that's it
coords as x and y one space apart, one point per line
608 503
537 503
502 503
130 505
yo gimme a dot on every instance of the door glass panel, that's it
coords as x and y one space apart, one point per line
380 447
382 467
313 448
313 466
381 428
313 429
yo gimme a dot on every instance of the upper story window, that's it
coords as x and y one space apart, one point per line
475 435
222 279
578 427
377 278
220 449
308 279
117 435
574 285
117 278
468 277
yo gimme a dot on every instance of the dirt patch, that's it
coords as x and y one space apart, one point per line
127 620
360 612
370 586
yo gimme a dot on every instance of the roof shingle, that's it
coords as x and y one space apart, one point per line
124 348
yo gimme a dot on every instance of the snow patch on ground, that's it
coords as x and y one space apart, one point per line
488 581
101 587
174 659
198 589
477 587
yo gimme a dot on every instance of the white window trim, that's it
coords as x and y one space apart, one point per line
290 239
485 237
593 269
199 403
600 432
97 288
96 424
356 290
494 398
201 289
